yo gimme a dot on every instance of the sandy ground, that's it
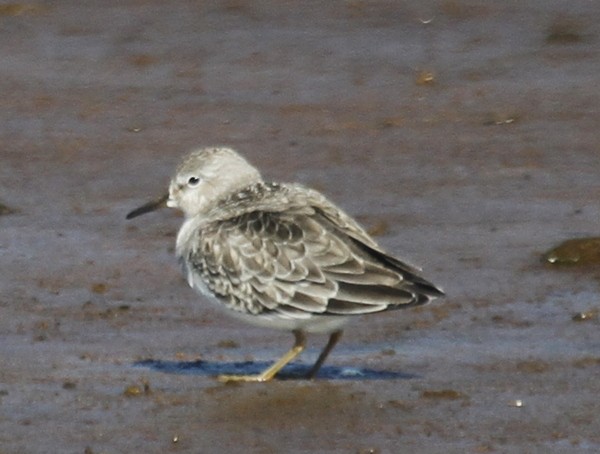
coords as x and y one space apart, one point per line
464 134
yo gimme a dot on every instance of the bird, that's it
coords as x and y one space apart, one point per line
280 255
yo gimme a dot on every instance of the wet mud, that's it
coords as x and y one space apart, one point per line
463 134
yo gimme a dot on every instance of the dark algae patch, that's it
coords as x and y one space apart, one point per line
445 394
4 209
574 252
564 30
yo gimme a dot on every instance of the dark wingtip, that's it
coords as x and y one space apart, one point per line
148 207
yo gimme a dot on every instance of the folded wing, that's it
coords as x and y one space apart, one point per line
301 262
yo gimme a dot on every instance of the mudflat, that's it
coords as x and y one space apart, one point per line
462 134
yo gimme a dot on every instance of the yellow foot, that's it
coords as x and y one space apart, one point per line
268 374
243 378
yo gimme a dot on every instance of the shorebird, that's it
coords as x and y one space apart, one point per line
280 255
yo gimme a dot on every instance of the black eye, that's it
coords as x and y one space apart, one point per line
193 181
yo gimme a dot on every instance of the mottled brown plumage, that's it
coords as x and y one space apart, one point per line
281 255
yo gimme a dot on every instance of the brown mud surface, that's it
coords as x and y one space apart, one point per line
464 134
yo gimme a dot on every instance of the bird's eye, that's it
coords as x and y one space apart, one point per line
193 181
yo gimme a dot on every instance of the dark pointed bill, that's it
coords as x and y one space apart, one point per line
148 207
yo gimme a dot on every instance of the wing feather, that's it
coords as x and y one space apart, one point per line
300 262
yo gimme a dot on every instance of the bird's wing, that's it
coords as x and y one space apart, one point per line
295 262
364 244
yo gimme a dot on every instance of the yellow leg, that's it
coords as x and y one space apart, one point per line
333 340
269 373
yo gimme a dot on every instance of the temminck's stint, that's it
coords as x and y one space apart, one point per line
280 255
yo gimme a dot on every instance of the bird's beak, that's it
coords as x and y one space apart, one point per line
148 207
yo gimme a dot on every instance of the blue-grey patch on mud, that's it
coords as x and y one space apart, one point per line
292 371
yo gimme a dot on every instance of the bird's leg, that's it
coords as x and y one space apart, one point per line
268 374
333 339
